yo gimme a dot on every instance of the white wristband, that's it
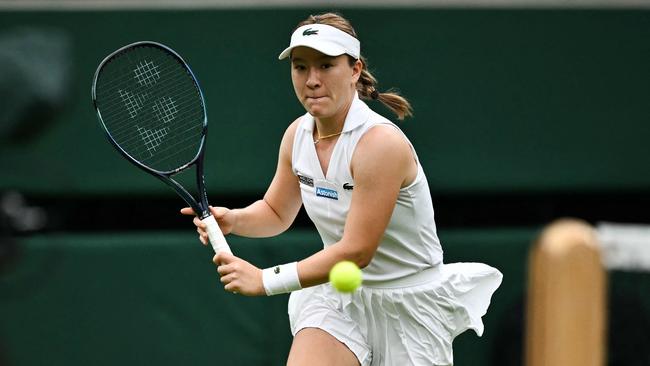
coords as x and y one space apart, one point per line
281 279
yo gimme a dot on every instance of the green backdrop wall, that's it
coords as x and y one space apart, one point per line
505 100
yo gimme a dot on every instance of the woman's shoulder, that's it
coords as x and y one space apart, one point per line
385 136
293 126
381 137
286 146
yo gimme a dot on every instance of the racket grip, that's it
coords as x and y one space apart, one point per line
217 240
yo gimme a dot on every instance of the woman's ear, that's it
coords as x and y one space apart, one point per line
356 70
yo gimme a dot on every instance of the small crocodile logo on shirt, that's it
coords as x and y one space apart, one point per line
347 186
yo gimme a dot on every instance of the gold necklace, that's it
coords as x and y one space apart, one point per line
326 137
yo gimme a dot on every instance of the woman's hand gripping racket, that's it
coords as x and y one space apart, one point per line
151 107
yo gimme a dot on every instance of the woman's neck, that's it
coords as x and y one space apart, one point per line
333 124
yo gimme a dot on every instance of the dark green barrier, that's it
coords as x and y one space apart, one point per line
505 100
155 299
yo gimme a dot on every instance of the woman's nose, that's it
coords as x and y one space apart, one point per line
313 79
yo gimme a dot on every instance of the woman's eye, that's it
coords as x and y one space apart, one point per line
299 67
326 66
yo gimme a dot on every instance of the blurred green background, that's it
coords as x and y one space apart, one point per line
521 116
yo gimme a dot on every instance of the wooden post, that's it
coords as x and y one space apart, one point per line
566 316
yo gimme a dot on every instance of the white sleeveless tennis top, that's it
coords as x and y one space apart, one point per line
410 242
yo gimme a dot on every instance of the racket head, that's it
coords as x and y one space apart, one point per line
151 107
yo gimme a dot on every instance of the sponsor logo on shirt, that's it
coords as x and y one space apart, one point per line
306 180
348 186
327 193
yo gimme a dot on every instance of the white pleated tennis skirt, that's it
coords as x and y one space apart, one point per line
410 321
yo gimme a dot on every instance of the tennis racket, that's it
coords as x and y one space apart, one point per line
151 107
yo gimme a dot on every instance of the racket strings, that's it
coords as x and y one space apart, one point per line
146 144
179 146
152 108
123 132
129 98
133 108
135 102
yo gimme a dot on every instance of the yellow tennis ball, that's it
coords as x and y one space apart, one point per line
345 276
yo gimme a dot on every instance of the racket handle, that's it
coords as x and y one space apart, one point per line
217 240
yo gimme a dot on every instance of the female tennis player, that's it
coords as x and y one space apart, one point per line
362 185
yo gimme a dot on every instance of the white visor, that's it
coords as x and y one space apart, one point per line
323 38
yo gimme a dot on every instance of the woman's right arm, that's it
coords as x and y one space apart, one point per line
271 215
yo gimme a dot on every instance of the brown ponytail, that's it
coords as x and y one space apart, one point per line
367 88
367 84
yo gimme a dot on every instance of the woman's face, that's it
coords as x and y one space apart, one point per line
323 84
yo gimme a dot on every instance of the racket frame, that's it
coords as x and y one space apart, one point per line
200 207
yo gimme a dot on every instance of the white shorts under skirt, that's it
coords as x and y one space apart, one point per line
412 321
